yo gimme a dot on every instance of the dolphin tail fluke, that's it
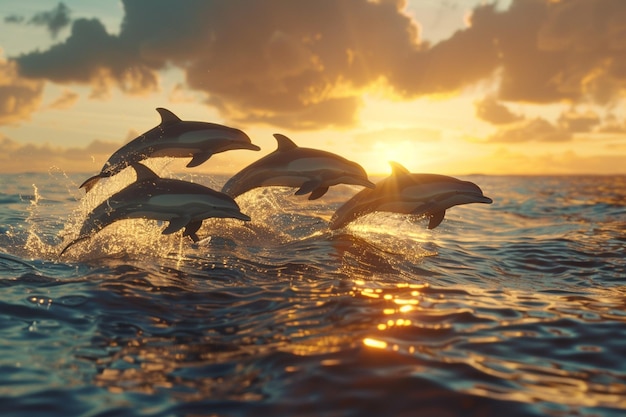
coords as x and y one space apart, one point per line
230 188
72 243
343 216
436 219
90 182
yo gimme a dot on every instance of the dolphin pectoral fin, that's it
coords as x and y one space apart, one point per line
318 192
176 224
191 229
308 187
90 182
436 218
199 159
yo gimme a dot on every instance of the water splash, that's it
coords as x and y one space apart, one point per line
34 243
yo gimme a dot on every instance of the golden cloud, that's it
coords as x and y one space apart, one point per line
19 97
15 156
283 62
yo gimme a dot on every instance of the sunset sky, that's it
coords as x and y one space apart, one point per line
443 86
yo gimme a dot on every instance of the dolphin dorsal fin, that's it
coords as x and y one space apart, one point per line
398 169
284 143
167 117
143 172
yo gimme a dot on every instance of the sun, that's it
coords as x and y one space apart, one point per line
404 152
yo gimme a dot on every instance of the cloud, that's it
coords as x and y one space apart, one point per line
14 157
54 20
490 110
612 124
568 123
575 122
90 55
531 130
304 65
19 97
573 45
66 100
180 94
297 65
14 19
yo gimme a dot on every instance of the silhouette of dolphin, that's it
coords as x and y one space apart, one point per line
406 193
183 204
177 139
311 170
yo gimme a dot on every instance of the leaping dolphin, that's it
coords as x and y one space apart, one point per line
406 193
174 138
310 170
183 204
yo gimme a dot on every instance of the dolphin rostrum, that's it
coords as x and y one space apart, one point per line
310 170
407 193
177 139
183 204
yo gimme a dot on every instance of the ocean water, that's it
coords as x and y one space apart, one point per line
516 308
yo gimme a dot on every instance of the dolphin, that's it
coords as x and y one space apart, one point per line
311 170
407 193
183 204
177 139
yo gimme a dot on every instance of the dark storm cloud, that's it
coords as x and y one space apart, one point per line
302 64
54 20
91 55
14 19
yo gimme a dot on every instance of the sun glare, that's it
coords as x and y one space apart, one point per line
404 152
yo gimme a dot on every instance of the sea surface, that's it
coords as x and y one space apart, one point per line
517 308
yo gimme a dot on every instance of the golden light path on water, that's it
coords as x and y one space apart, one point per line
412 309
392 316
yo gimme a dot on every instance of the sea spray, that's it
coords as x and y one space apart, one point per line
129 237
34 244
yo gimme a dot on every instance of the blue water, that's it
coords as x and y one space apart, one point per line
516 308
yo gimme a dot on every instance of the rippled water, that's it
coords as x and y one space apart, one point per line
517 308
